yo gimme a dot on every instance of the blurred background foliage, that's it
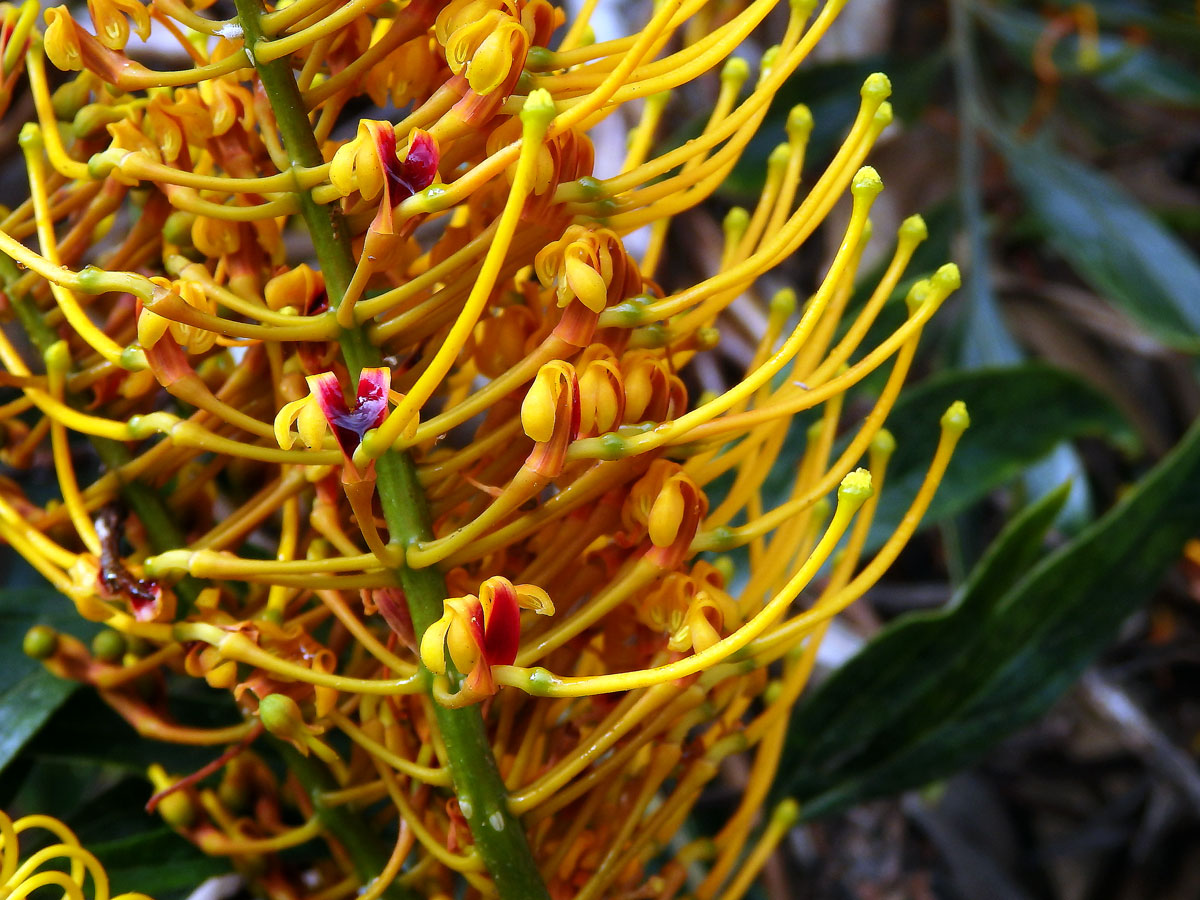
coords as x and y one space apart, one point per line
952 750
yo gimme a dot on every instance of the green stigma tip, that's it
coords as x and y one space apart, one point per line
918 294
737 220
538 108
786 814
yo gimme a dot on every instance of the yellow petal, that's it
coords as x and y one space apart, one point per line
311 422
341 169
61 41
586 283
700 629
538 408
666 515
150 328
433 645
283 422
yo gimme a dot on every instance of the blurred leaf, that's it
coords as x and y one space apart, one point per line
1121 66
1018 415
931 693
1150 78
876 692
29 694
25 707
1168 22
157 862
1112 242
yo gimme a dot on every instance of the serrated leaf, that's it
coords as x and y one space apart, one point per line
931 694
1114 244
1019 414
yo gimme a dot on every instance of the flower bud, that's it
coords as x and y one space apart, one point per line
41 642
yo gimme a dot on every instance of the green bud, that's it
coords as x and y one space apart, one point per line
281 715
41 642
108 645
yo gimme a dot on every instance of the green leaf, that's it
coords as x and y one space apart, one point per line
1113 243
1121 66
29 695
157 862
932 693
1018 415
878 688
25 707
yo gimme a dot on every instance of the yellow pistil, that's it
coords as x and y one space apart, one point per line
536 116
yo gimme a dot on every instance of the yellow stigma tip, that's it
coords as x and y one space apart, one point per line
779 156
736 70
799 122
884 443
948 278
783 304
538 109
877 87
866 182
856 487
914 229
956 418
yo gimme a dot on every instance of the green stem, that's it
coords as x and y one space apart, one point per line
987 340
499 836
362 845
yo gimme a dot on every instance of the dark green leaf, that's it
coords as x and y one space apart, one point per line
157 862
1018 415
29 694
26 706
1121 66
1112 242
932 693
847 712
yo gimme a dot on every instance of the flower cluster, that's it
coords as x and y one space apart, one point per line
433 497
